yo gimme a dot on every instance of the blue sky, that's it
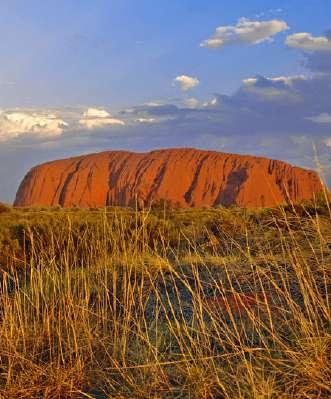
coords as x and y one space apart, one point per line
121 52
82 76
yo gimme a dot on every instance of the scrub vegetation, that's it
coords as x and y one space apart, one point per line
165 303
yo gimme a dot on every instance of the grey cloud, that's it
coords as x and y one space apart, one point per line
153 110
318 62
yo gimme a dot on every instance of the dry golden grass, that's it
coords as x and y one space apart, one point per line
116 304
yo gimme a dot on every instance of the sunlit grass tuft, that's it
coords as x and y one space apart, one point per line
198 304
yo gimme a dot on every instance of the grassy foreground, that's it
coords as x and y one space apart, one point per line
201 304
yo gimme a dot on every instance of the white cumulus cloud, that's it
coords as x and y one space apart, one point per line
305 41
96 118
186 82
17 123
321 118
246 31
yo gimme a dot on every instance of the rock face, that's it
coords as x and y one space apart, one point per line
185 177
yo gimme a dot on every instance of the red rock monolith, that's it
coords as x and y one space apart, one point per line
185 177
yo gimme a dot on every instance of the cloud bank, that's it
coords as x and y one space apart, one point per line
16 123
45 124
